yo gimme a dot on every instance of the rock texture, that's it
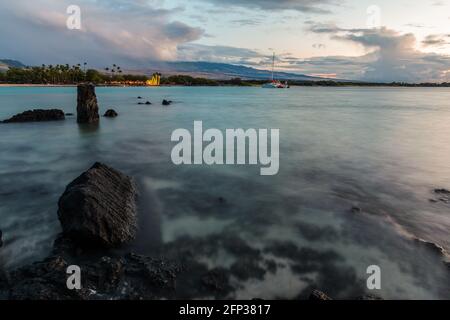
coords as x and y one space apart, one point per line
110 113
318 295
87 106
37 115
98 208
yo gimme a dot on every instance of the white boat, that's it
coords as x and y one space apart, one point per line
275 84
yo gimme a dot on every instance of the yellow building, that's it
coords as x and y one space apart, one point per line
155 81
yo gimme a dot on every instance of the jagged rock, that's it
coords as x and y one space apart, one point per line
318 295
44 280
110 113
166 102
99 208
87 106
443 196
369 297
37 115
355 209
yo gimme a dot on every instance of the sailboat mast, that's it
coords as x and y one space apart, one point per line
273 66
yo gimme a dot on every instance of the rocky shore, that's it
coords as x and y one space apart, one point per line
97 212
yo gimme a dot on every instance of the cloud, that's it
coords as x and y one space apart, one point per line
307 6
392 56
436 40
125 31
224 54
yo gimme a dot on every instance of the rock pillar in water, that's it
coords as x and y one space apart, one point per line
87 106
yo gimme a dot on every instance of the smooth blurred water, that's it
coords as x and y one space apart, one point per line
381 149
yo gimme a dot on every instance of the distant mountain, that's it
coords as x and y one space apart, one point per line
224 71
7 63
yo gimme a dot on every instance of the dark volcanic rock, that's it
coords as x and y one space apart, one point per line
99 207
87 106
443 196
355 209
37 115
148 103
44 280
166 102
368 297
110 113
1 238
318 295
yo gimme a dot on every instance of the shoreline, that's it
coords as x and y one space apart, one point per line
30 85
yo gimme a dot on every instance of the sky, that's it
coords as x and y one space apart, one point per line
362 40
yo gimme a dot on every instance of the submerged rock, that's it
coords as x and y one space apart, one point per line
37 115
355 209
443 196
99 208
318 295
110 113
166 102
87 106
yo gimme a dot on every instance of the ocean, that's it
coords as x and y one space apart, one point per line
381 151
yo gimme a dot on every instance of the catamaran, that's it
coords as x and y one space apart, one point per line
275 84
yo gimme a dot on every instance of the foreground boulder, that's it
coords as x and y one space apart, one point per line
37 115
98 208
87 106
110 113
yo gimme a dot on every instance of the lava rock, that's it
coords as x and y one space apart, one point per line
369 297
443 196
110 113
318 295
99 208
37 115
166 102
87 106
45 280
355 209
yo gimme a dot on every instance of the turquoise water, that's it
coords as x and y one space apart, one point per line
381 149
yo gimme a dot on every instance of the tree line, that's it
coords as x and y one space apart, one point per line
114 75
